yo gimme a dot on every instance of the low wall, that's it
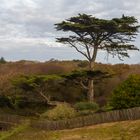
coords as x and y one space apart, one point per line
98 118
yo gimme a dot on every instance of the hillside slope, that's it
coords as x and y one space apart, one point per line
126 130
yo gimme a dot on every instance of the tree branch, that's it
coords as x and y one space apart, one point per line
86 46
79 50
45 97
83 85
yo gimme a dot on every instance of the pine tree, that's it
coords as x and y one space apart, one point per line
88 35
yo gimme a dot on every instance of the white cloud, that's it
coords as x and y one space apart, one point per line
29 24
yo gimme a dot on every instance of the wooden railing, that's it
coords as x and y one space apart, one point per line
97 118
11 119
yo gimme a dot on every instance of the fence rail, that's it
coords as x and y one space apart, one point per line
105 117
7 121
11 119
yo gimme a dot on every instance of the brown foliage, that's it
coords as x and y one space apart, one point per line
102 90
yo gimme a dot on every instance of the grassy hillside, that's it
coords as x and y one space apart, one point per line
127 130
68 93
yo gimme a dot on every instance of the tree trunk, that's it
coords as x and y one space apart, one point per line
91 84
91 65
90 90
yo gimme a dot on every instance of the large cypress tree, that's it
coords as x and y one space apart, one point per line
88 35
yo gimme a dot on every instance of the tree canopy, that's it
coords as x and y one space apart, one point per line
36 83
88 35
93 34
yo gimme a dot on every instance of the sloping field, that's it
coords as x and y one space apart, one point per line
126 130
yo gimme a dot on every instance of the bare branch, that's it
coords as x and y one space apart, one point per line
79 50
45 97
83 85
85 43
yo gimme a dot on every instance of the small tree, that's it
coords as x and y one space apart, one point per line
127 94
82 77
38 84
2 60
90 34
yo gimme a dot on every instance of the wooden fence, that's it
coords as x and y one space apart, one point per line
11 119
105 117
7 121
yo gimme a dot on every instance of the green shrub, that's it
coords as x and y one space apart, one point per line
5 101
61 111
27 103
86 106
107 107
127 94
20 103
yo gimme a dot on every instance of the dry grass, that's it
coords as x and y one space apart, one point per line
127 130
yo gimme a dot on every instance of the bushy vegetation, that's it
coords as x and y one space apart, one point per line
61 111
65 91
38 84
86 106
5 101
15 130
127 94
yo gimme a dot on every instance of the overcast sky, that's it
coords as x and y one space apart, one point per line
27 26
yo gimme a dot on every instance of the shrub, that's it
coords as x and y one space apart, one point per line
5 101
127 94
86 106
107 107
61 111
20 103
